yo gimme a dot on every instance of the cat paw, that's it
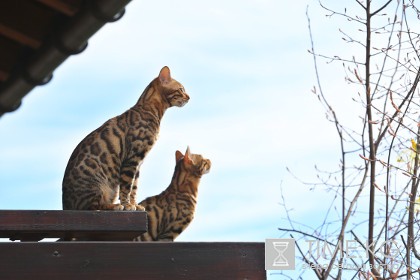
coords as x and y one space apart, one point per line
118 207
115 207
140 208
130 207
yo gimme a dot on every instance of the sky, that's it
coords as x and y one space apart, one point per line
246 67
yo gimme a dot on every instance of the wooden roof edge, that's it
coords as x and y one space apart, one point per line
69 40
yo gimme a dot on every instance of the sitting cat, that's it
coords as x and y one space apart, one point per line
108 160
170 212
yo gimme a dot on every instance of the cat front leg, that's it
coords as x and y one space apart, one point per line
133 193
127 179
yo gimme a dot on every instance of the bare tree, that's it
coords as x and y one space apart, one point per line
379 159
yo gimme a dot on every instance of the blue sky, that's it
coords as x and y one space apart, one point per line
246 68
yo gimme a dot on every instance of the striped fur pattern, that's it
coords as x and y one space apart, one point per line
170 212
106 163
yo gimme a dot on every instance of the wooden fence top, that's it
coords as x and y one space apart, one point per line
131 260
121 259
34 225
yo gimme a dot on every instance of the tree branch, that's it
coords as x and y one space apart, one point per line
381 8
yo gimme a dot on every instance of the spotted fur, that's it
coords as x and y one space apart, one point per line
106 163
170 212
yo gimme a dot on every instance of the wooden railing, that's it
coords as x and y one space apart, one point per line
114 256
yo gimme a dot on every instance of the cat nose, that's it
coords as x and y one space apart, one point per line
187 97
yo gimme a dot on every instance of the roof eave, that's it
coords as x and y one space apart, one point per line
69 40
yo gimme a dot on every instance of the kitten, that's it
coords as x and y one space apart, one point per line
170 212
108 160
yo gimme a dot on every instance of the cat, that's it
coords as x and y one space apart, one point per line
170 212
107 162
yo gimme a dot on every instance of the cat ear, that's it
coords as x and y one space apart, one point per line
187 157
178 156
165 75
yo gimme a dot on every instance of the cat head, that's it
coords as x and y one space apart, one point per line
173 92
193 163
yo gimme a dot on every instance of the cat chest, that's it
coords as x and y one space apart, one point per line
142 136
140 142
140 149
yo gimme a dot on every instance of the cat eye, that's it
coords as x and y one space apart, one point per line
180 90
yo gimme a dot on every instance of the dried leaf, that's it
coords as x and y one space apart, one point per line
417 205
413 145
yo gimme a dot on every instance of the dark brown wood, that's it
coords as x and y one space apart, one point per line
67 7
32 25
19 37
34 225
131 260
45 34
3 75
9 54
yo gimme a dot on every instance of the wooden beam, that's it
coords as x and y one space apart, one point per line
26 22
69 8
34 225
9 54
9 57
3 75
19 37
132 260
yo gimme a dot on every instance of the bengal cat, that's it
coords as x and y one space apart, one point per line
170 212
107 162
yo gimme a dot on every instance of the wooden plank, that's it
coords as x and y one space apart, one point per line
19 37
3 75
34 225
69 8
132 260
9 54
25 22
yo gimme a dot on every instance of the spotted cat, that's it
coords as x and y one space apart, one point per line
170 212
107 162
